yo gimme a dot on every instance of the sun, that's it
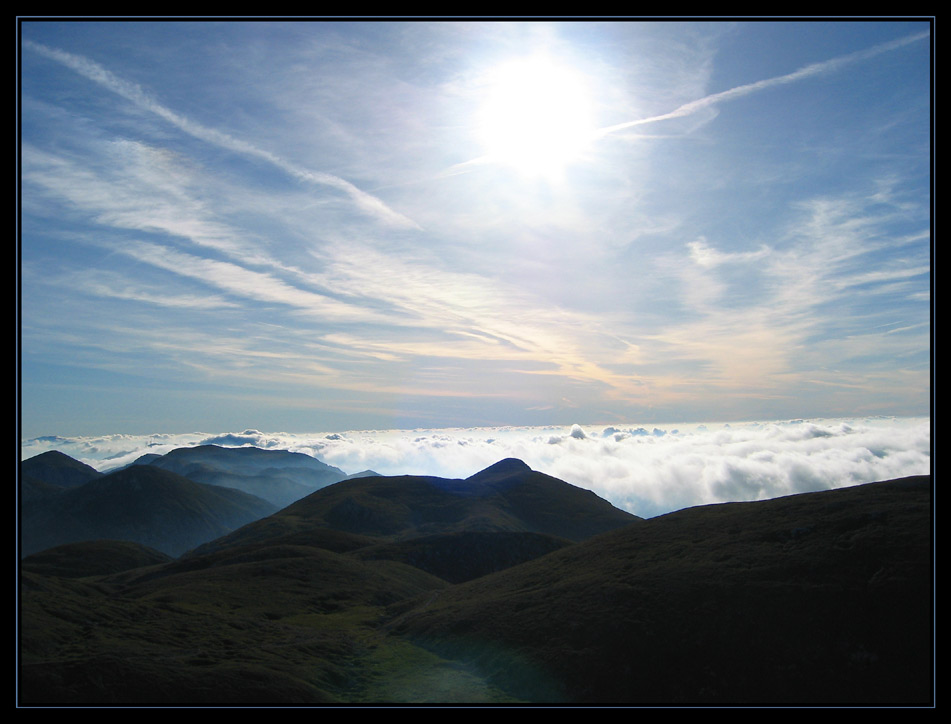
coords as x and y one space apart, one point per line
536 117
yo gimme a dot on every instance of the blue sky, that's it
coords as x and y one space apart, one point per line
315 225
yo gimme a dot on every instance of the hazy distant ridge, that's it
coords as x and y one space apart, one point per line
142 504
278 476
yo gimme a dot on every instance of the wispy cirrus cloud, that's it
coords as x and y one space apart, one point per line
705 255
479 318
95 72
462 317
774 265
802 313
131 185
110 285
247 283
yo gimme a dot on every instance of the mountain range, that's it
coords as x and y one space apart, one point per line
172 502
510 586
143 504
278 476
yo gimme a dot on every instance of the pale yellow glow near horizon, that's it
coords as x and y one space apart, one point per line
537 116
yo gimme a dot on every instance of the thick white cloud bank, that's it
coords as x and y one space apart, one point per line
646 470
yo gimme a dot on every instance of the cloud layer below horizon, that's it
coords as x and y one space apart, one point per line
647 470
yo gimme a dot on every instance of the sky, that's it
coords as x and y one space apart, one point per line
330 226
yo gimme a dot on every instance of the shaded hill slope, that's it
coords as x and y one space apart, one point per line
815 598
142 504
506 497
271 624
92 558
464 556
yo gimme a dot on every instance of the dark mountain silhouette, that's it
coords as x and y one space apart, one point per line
506 497
56 468
350 595
502 470
142 504
278 476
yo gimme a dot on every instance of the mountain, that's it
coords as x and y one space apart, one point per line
419 589
506 497
363 474
278 476
56 468
142 504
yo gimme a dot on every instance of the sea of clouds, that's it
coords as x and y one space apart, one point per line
647 470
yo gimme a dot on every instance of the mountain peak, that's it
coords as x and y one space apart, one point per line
501 469
56 468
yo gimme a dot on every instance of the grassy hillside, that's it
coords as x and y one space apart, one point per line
92 558
824 597
816 598
274 624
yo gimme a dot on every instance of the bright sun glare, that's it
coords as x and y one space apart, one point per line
537 116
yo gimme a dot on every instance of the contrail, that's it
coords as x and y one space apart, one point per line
130 91
808 71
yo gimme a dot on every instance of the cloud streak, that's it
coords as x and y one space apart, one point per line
808 71
247 283
93 71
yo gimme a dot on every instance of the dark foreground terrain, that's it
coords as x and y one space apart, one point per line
510 586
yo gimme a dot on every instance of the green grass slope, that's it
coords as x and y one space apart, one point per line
264 624
92 558
817 598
